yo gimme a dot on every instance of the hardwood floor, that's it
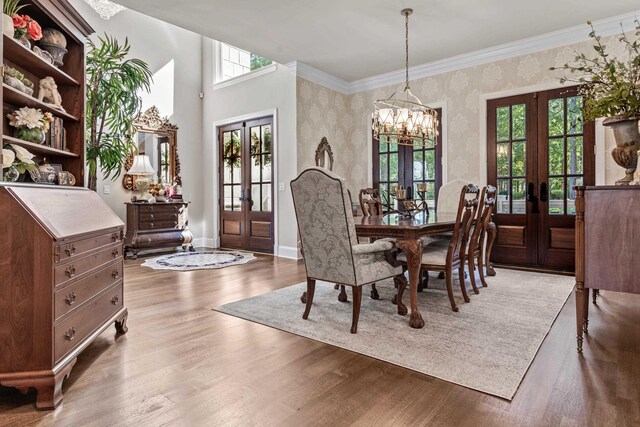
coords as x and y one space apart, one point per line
183 364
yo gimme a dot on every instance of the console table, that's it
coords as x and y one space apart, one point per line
157 225
607 233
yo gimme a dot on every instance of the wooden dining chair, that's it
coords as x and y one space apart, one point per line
328 236
475 254
450 257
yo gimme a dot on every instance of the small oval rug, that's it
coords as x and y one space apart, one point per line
198 260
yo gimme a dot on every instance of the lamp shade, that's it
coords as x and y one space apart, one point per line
141 166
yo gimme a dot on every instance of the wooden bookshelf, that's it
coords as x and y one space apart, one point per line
38 148
70 79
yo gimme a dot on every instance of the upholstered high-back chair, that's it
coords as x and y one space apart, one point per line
448 198
328 237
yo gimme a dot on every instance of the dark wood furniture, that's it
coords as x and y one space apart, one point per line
157 225
476 254
445 256
62 274
408 233
607 233
370 202
70 79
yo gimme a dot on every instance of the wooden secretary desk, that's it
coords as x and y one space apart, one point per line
607 233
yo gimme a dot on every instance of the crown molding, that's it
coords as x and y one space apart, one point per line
567 36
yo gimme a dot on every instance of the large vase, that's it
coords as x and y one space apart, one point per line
627 136
7 25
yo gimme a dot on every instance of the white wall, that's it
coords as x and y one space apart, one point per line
274 91
174 56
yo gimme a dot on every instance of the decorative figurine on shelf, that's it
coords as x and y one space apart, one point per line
48 93
54 42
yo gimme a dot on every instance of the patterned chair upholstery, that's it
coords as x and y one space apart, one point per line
328 236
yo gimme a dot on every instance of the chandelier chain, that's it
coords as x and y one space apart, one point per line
406 49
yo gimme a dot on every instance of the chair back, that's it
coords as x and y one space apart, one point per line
370 202
325 224
487 211
467 204
448 198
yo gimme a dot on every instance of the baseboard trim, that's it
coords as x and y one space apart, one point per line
202 242
288 252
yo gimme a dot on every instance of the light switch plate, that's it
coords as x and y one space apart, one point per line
106 189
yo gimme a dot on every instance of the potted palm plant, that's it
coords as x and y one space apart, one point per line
114 82
611 89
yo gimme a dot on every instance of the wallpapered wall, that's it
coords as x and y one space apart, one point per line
344 119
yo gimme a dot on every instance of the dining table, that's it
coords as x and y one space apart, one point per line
408 232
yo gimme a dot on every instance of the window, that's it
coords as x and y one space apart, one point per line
408 166
233 62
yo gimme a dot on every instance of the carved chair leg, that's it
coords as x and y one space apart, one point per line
585 325
401 284
357 301
420 282
481 271
452 300
596 292
492 231
303 297
472 275
343 294
374 292
441 275
425 278
336 286
311 287
463 285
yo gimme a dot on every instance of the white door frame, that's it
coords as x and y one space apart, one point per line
274 171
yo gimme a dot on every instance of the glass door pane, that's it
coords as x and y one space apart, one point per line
261 164
511 159
232 176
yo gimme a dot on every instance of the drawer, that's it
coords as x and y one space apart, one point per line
77 267
73 330
78 248
159 207
71 297
158 225
159 216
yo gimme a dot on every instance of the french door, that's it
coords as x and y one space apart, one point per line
408 166
246 185
539 148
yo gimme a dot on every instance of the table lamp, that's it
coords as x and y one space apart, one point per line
142 170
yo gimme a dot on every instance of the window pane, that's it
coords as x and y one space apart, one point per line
503 120
227 198
266 168
384 167
236 198
518 159
430 163
556 196
418 165
384 147
503 196
255 168
393 167
556 117
518 196
519 121
574 155
556 156
226 179
236 171
574 115
393 145
255 140
503 159
255 197
384 193
431 194
571 194
266 139
266 198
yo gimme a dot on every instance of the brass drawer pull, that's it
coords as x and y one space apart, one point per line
70 335
115 252
114 237
71 298
115 274
151 224
152 216
70 271
115 300
70 251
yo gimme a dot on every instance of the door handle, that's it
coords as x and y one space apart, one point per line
242 195
531 197
544 195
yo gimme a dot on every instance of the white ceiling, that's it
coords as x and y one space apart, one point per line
355 39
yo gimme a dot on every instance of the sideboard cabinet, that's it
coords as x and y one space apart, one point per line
61 274
607 234
157 225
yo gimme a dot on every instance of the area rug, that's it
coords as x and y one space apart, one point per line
185 261
487 346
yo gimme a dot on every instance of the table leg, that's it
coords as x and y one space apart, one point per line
413 250
491 237
580 304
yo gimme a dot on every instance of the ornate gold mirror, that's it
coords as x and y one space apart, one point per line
156 137
324 155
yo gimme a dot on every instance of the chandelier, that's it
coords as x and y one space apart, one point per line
402 117
105 8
